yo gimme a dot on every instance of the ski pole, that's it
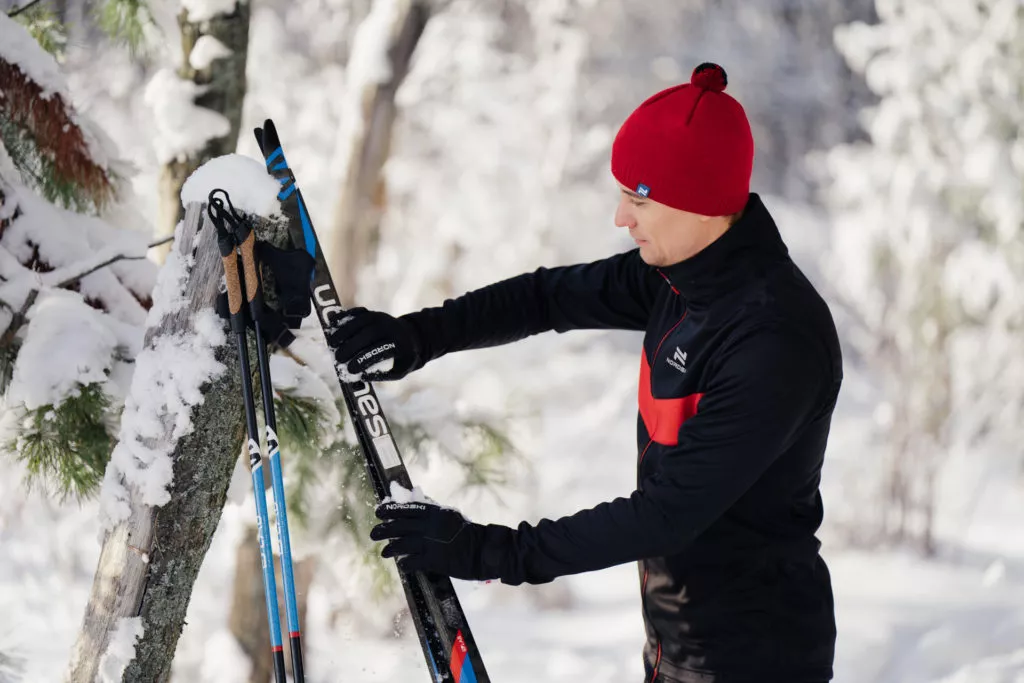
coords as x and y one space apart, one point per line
252 282
222 218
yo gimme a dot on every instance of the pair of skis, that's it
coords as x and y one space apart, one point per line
448 645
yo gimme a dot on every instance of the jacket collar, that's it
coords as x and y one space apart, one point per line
732 260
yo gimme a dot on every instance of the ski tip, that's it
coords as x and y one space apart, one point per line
270 139
258 132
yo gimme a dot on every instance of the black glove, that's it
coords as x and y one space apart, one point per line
365 339
290 271
429 538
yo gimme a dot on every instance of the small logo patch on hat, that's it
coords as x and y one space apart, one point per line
643 190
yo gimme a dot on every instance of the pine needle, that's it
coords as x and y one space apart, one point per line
124 21
67 448
44 25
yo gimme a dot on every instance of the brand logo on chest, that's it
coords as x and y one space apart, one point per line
678 360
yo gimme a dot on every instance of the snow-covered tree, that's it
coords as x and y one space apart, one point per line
929 247
197 105
75 285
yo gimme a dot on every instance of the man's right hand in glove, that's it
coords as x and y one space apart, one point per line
375 346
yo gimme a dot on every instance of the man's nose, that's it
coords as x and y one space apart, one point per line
623 216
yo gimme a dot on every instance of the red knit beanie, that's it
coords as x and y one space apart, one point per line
688 147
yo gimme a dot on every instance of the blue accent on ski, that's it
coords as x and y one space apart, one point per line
468 675
275 154
307 229
286 193
433 664
283 166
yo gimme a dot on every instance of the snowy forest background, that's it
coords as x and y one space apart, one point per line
890 147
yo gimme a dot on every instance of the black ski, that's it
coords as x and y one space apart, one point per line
448 644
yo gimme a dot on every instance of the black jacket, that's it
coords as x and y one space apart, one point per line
739 375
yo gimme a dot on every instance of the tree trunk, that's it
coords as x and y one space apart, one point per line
365 145
149 563
224 92
248 620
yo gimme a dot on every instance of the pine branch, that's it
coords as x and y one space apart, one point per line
124 21
45 26
57 140
39 170
339 466
78 271
67 446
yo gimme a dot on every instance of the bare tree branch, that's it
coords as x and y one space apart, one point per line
19 318
113 259
18 10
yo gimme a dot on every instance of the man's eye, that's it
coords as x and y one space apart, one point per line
636 203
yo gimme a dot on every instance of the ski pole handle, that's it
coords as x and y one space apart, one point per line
234 292
223 219
251 274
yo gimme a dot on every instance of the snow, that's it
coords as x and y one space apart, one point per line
204 10
171 283
18 47
182 127
302 382
224 660
120 651
400 494
499 165
69 243
385 365
996 669
346 375
205 51
166 387
251 189
67 344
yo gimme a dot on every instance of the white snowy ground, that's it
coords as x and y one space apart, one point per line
956 619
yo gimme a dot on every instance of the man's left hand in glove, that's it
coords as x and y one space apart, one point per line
424 536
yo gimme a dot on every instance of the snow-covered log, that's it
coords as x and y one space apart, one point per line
166 484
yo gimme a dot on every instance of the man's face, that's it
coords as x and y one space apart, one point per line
665 235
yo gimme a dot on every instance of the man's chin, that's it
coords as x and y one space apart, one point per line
649 258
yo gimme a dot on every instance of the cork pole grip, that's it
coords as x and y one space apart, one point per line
252 283
234 287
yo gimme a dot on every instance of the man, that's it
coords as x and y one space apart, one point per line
739 374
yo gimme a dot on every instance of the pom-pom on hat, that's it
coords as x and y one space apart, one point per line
688 147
